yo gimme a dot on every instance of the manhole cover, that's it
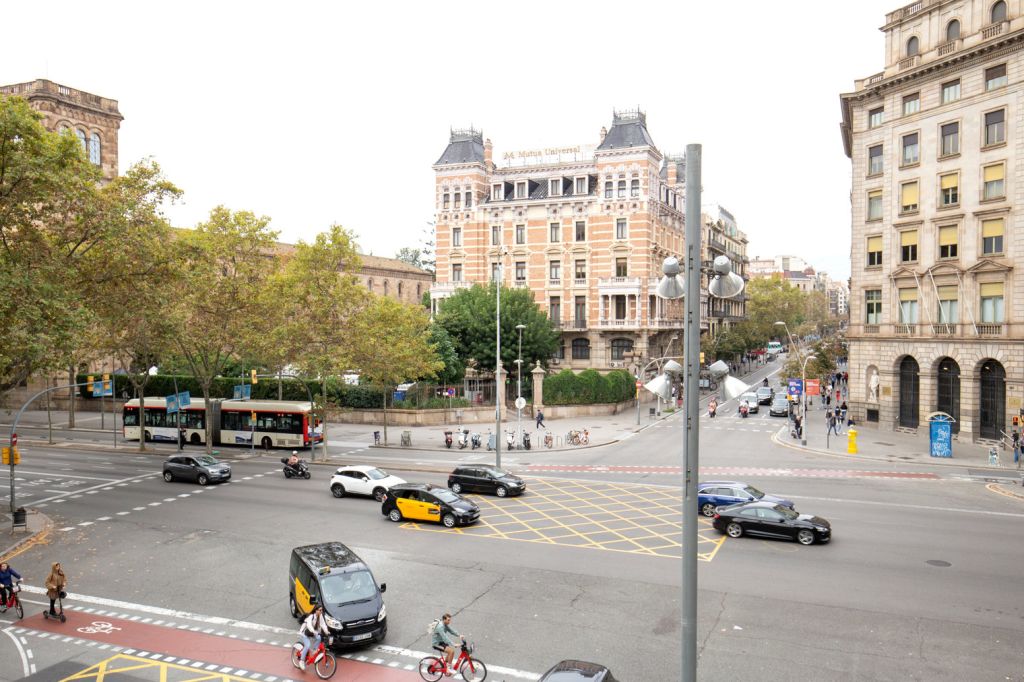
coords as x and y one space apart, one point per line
938 562
878 442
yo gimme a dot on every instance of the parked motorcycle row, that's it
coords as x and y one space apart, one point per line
462 438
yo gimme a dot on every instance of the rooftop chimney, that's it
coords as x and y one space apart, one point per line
604 134
488 155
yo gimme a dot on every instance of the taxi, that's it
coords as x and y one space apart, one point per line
426 502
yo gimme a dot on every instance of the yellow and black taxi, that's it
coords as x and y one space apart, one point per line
426 502
333 575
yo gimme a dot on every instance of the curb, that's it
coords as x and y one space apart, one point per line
1000 488
818 451
29 537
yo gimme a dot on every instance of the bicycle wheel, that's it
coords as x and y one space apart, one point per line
296 656
473 670
431 668
326 666
19 607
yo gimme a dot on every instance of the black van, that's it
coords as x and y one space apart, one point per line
339 580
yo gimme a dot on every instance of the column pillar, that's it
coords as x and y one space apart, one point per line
538 387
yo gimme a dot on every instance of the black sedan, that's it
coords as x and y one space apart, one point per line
770 520
779 406
577 671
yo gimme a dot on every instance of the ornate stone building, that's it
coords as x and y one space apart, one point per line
936 308
94 119
723 238
584 228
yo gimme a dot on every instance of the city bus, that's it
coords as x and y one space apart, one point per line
160 426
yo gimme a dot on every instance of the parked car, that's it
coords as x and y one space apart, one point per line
770 520
201 469
426 502
779 406
478 478
713 494
765 395
362 480
752 402
578 671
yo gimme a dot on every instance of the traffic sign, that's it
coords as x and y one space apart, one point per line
795 386
639 384
451 392
520 402
14 439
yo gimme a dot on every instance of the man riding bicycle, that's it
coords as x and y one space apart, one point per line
311 630
7 577
443 639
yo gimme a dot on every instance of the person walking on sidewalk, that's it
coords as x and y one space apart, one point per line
540 419
1015 437
833 424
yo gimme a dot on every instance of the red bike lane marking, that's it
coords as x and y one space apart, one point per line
197 646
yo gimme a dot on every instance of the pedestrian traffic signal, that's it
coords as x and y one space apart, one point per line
254 379
1016 420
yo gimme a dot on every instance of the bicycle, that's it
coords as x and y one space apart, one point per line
14 601
572 438
320 658
433 668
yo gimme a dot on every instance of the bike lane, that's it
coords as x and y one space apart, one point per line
246 659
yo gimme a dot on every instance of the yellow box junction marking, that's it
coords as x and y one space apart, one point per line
617 517
117 668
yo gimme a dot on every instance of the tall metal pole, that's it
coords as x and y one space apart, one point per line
497 372
691 357
519 385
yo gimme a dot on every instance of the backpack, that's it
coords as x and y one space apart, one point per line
433 626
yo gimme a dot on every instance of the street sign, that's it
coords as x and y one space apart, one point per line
14 439
795 386
242 392
451 392
639 384
520 402
813 387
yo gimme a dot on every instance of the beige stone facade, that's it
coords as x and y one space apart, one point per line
397 279
722 237
584 228
936 308
94 119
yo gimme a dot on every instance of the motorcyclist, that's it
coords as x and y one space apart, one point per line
293 461
712 407
312 631
744 408
764 382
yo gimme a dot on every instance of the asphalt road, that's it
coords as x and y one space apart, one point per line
920 581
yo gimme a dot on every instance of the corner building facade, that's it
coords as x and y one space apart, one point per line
936 306
584 229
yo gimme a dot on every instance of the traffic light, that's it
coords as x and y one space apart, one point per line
1016 420
90 385
106 385
6 459
254 379
702 358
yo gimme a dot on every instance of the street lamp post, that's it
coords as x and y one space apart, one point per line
497 365
519 384
803 380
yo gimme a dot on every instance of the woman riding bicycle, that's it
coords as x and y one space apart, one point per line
312 630
7 577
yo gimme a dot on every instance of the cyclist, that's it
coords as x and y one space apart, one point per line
311 630
7 577
443 639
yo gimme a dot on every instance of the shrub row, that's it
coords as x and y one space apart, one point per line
589 387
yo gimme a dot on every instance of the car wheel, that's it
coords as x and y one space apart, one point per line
448 520
502 491
338 490
456 488
395 515
293 606
707 509
805 537
168 476
202 480
379 494
266 443
734 530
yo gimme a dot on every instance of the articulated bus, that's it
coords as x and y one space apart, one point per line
279 423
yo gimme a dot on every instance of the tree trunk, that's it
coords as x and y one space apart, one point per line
49 414
208 425
71 397
142 419
280 390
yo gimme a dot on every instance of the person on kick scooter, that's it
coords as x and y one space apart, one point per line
55 585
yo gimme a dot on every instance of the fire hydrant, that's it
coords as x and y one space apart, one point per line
851 442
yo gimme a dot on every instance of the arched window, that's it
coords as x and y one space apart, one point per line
419 291
81 138
580 349
608 190
952 30
998 12
912 46
909 382
94 148
386 287
948 386
622 189
992 412
369 284
620 347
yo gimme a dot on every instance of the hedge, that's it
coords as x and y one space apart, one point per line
589 387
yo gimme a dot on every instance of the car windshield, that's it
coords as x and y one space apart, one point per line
764 390
446 496
782 400
206 460
495 472
753 492
786 511
346 588
749 396
376 474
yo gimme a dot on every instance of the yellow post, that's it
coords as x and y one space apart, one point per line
851 442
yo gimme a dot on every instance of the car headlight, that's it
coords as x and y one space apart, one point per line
334 623
821 529
382 613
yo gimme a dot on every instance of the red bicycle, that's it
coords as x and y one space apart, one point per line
14 601
432 668
320 658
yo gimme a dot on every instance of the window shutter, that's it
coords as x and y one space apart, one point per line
994 173
874 243
992 228
909 193
908 238
947 235
991 289
908 294
950 181
948 293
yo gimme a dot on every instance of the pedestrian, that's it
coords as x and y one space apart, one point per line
833 424
844 409
798 427
56 583
1015 437
181 437
540 419
828 401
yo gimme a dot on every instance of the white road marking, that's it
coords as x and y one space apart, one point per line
952 510
50 474
21 651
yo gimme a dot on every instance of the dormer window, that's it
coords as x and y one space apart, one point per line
999 12
912 46
555 187
521 189
581 186
496 192
952 30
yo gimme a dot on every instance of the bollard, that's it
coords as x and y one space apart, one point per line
851 442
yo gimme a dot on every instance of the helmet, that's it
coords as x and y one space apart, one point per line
295 452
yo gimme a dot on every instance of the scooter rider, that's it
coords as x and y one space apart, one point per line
712 407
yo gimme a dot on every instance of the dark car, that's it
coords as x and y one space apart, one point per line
426 502
769 520
712 494
201 469
779 406
333 575
478 478
578 671
765 395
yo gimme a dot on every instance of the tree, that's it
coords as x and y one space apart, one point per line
410 256
428 257
393 346
228 261
468 317
773 299
454 369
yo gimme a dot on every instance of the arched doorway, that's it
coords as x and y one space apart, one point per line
948 384
993 400
909 406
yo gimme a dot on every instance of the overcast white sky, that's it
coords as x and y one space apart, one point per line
313 113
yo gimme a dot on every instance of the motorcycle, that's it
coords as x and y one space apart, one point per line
743 411
299 470
448 439
463 438
475 441
526 440
510 439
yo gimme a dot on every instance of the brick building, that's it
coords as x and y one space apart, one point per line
936 309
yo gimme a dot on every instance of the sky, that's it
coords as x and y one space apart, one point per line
316 113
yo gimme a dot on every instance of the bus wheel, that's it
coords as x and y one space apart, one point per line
196 439
266 443
148 437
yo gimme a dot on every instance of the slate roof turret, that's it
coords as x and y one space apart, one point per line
629 129
464 146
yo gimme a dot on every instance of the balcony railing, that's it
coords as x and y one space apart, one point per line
616 322
990 330
521 284
577 323
949 48
449 287
909 62
664 323
871 329
554 282
906 330
993 30
944 329
579 281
